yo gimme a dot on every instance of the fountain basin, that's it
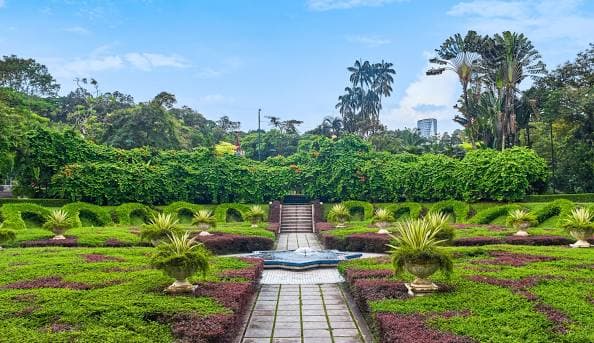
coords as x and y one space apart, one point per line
301 259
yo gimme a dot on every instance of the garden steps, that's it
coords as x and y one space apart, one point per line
296 218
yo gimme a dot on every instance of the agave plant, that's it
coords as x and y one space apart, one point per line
58 221
440 222
339 214
159 228
580 226
180 257
417 251
204 219
521 220
6 235
255 215
382 219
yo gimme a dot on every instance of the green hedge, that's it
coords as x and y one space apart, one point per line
367 207
487 215
125 213
458 209
583 197
40 202
12 214
414 209
559 208
222 209
98 214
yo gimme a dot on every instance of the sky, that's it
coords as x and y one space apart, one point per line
287 57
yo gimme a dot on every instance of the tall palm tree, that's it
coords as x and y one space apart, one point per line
331 126
361 73
274 121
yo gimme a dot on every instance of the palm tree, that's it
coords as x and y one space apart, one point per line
274 121
290 126
333 124
361 73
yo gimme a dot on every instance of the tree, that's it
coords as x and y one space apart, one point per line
275 122
290 126
227 125
164 99
27 76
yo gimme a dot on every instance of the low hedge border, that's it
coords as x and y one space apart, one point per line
487 215
232 244
366 206
559 208
40 202
175 207
221 211
12 214
583 197
414 209
101 214
125 211
458 208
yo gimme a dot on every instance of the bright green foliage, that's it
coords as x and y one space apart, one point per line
204 218
581 197
339 214
14 214
353 206
181 252
458 209
133 213
160 227
413 209
559 208
255 214
417 243
580 220
440 223
228 212
58 221
177 206
99 216
383 215
6 235
489 214
516 218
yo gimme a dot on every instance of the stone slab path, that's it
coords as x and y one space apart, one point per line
303 306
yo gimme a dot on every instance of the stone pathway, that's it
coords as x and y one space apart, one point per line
303 306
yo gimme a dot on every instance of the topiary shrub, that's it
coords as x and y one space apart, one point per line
84 214
183 210
133 213
16 215
230 212
362 209
561 208
488 215
458 209
413 209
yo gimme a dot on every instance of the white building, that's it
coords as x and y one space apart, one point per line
427 127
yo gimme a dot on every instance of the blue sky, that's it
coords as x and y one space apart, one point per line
287 57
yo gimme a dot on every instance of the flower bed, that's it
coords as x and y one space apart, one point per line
220 243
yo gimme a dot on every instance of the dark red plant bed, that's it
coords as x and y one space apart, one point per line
223 243
412 328
514 259
218 328
515 240
47 282
324 226
68 242
252 273
366 290
101 258
355 274
363 242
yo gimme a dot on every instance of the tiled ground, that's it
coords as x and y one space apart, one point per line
301 314
305 277
292 241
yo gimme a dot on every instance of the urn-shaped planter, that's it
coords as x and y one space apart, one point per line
422 269
180 274
522 227
59 233
581 236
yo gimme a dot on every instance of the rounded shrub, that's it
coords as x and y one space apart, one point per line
15 214
82 211
183 210
363 207
133 213
231 212
413 209
488 215
458 209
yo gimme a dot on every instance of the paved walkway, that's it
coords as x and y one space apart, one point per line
303 306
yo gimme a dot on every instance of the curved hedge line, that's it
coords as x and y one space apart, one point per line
366 206
487 215
175 207
125 212
458 209
414 209
12 214
220 212
559 208
101 215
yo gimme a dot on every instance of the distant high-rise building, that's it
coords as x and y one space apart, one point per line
427 127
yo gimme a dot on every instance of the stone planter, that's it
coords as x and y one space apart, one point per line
181 284
422 270
522 229
340 225
59 233
203 226
581 236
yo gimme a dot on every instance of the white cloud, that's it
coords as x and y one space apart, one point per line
369 41
78 30
326 5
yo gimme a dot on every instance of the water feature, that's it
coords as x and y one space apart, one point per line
302 258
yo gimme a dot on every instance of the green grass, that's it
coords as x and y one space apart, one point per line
496 314
120 307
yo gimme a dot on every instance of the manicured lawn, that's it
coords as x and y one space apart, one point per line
108 295
497 294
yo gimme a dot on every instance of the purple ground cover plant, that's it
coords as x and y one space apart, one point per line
68 242
413 328
101 258
514 259
47 282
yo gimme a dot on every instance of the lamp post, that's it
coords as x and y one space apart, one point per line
258 146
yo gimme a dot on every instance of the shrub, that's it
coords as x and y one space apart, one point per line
182 209
559 207
339 214
367 290
458 209
232 244
439 223
255 214
204 219
224 212
97 214
487 215
519 219
353 206
13 214
412 208
579 220
40 202
583 197
382 217
58 221
6 235
180 257
159 228
131 213
367 242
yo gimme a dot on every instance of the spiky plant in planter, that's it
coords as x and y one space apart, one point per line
255 215
58 221
440 222
383 218
417 251
339 214
159 228
180 257
521 220
204 219
6 235
579 224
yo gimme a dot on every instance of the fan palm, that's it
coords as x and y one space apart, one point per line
580 226
58 221
159 228
204 219
255 214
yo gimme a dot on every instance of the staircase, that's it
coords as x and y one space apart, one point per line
296 218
